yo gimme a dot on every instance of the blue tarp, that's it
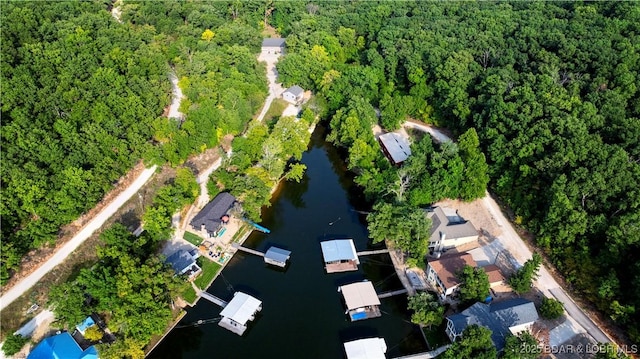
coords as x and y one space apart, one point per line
62 346
358 316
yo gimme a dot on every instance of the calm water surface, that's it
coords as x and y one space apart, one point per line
303 314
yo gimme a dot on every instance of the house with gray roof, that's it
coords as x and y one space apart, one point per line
395 147
274 45
293 94
184 262
505 318
212 217
449 230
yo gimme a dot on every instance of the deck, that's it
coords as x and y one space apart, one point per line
368 313
341 267
232 326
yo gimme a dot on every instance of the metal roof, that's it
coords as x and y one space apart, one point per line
358 295
181 260
62 346
210 216
241 308
498 317
273 42
339 250
295 90
277 254
397 146
370 348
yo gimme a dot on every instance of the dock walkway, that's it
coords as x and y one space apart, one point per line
247 250
392 293
213 299
368 253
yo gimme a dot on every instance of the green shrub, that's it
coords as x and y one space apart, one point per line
551 308
13 344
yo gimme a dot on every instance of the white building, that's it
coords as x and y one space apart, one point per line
293 94
274 45
241 309
370 348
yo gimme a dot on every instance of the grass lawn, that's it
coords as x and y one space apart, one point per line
192 238
209 270
436 336
275 111
189 294
240 232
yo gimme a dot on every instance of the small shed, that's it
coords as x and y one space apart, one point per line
293 94
361 300
370 348
274 45
277 256
395 147
241 309
339 255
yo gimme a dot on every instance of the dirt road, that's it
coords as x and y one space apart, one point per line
29 281
512 242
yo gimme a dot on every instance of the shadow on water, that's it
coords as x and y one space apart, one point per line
303 315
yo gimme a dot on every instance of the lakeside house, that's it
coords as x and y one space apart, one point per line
60 346
214 215
293 94
449 230
184 262
277 256
370 348
442 273
275 45
339 255
361 300
395 147
240 310
505 318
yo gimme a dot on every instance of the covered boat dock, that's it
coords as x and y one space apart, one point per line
241 309
361 300
339 255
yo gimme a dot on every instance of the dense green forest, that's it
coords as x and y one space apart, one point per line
550 88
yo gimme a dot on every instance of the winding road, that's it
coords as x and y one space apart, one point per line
511 242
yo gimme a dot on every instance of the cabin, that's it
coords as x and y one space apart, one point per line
395 147
370 348
509 317
361 300
62 346
277 256
449 230
293 95
339 255
240 310
442 273
184 262
273 46
214 215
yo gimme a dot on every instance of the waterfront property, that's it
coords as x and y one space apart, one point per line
241 309
274 45
277 256
214 215
505 318
361 300
370 348
449 230
395 147
339 255
442 273
293 94
184 262
62 346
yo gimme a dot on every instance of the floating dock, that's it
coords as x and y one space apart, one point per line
274 256
241 309
257 226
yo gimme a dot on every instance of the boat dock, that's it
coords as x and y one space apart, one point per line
368 253
392 293
247 250
213 299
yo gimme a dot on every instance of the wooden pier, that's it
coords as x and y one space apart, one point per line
368 253
247 250
213 299
392 293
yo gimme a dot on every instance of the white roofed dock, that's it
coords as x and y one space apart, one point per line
241 309
370 348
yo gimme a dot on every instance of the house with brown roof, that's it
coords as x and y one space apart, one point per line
449 230
494 273
442 273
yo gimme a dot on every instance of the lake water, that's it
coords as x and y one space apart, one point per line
303 314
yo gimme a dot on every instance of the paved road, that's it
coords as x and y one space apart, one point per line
17 290
512 242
